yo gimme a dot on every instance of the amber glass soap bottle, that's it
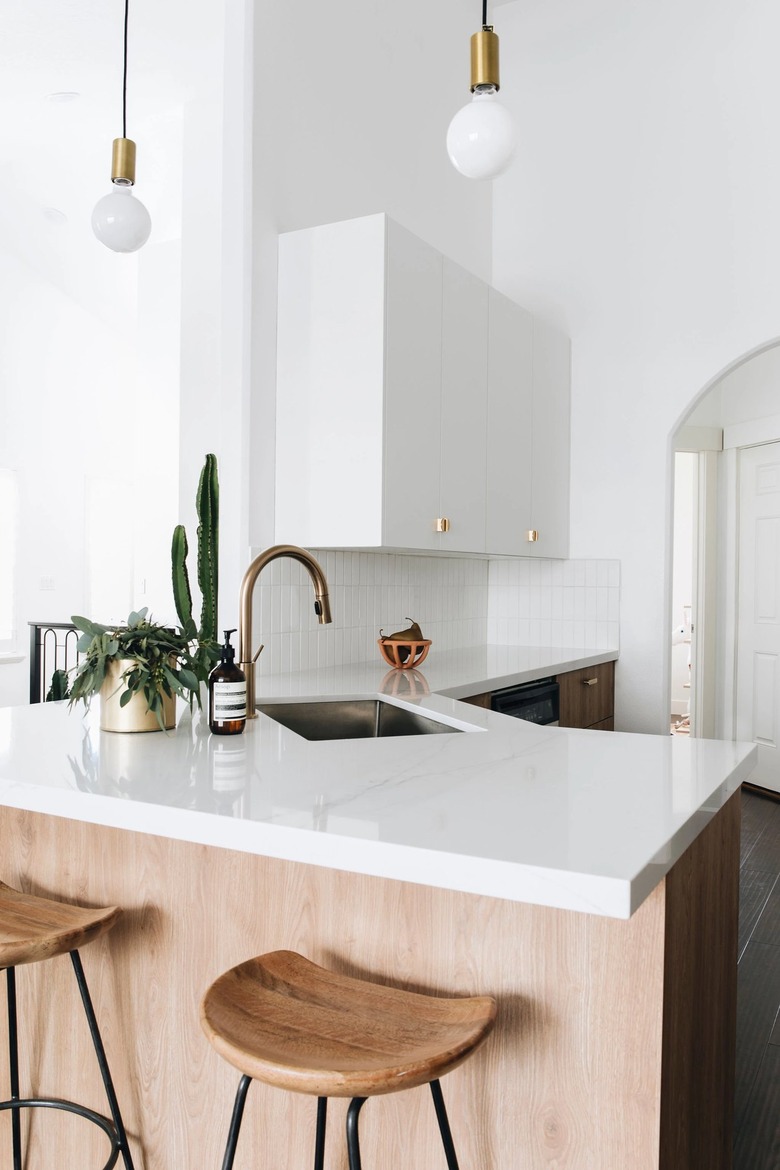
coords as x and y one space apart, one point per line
227 694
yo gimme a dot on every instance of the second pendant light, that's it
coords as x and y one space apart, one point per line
119 220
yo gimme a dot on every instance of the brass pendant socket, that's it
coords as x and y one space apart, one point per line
123 162
484 59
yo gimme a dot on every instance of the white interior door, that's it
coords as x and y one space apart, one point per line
758 609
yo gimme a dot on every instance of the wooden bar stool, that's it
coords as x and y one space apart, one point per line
282 1019
33 929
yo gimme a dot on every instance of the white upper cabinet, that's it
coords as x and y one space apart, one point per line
463 409
411 440
509 427
551 441
410 403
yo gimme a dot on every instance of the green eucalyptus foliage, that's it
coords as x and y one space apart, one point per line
207 504
161 662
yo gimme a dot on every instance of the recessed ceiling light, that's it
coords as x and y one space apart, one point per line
65 95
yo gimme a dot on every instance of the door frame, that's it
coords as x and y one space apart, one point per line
707 444
736 438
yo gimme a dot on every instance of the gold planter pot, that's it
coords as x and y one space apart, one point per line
135 716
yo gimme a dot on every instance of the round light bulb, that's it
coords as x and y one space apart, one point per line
120 221
481 137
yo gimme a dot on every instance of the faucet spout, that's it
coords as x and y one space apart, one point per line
321 607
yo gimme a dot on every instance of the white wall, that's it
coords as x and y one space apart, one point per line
685 493
351 110
750 392
99 351
639 215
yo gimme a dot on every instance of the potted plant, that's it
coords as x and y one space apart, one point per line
138 669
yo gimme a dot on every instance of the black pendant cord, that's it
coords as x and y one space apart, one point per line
484 13
124 75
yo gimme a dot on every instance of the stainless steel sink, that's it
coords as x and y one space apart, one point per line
353 719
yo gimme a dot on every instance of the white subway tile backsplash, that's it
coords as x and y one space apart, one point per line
556 603
457 601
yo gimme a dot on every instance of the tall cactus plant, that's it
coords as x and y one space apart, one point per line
208 547
207 504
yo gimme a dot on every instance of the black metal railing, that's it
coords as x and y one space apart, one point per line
52 647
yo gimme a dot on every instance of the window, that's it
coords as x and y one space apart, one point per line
9 512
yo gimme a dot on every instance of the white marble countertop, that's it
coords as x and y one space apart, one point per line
456 673
579 820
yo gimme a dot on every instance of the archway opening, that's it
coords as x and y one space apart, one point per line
726 523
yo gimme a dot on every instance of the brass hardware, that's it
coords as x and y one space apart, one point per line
484 58
321 607
589 682
531 535
123 162
135 716
442 524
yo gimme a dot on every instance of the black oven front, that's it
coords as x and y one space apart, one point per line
536 702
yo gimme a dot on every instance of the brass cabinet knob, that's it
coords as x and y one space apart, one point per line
442 524
531 535
589 682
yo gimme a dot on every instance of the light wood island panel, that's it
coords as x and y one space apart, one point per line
595 1062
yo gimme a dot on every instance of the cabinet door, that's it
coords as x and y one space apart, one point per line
463 409
587 696
551 444
509 425
412 458
329 384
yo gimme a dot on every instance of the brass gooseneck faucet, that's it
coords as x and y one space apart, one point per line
321 607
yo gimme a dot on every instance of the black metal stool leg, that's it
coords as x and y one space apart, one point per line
319 1149
13 1061
235 1122
100 1053
353 1145
444 1125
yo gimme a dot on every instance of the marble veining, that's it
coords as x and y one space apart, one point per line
579 820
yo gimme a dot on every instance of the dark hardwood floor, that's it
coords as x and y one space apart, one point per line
757 1104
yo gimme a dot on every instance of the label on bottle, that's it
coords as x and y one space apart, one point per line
229 701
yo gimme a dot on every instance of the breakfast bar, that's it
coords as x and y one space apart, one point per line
586 880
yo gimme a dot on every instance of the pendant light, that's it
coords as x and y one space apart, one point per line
481 137
120 221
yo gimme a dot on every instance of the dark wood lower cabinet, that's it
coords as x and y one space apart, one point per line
603 725
587 697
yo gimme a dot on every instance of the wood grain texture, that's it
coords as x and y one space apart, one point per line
288 1022
33 929
758 1141
581 704
570 1079
702 899
758 1005
603 725
755 886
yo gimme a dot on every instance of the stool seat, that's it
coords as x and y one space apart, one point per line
33 928
282 1019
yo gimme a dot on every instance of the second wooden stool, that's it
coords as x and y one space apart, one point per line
282 1019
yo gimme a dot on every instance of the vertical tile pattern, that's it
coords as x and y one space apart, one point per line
457 601
368 591
554 603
